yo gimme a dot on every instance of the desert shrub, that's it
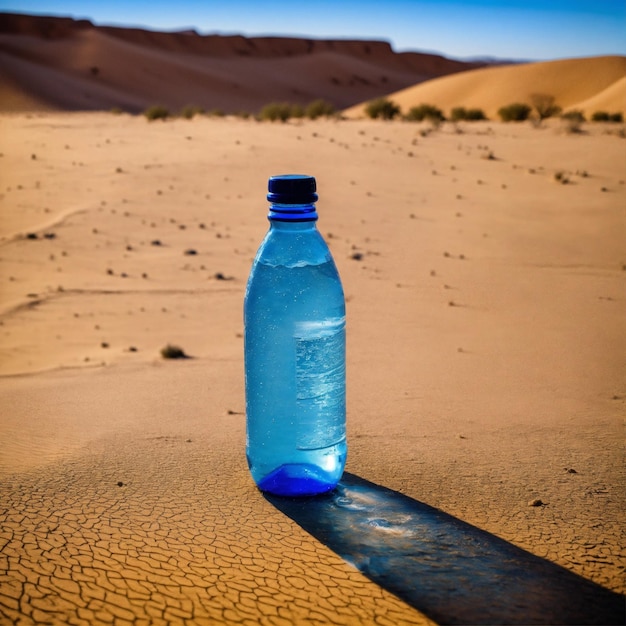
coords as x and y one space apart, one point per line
544 105
516 112
319 108
573 120
600 116
605 116
189 111
156 112
382 108
215 112
425 112
116 110
296 110
276 111
575 115
471 115
173 352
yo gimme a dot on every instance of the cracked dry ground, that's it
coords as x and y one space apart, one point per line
154 537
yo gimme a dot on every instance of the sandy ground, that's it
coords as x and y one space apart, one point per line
486 356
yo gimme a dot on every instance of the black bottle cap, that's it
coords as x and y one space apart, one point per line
292 189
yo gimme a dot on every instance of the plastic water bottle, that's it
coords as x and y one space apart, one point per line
295 350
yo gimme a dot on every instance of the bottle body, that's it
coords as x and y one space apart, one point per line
294 321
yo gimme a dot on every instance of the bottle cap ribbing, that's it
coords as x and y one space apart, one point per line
292 189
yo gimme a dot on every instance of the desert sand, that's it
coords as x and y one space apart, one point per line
486 349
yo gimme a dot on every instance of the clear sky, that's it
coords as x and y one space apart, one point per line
521 29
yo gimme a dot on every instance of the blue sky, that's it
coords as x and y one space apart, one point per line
524 29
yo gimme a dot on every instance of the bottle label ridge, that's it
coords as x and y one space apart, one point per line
320 383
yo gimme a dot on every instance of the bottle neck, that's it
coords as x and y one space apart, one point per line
292 213
292 226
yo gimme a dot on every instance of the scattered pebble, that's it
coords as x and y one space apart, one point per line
536 502
173 352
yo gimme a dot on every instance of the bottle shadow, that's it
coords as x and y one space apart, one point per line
448 569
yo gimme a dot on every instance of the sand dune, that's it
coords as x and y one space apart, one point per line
588 84
611 99
59 63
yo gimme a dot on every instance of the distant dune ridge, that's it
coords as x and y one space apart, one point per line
56 63
585 84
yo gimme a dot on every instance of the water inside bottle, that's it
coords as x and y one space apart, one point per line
295 378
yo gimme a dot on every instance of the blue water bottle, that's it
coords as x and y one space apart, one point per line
295 350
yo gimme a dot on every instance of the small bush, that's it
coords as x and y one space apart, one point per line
319 108
173 352
216 112
516 112
573 121
296 110
276 111
605 116
544 105
470 115
189 111
600 116
116 110
156 112
382 108
574 115
425 112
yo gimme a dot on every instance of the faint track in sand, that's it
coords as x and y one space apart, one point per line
54 222
38 300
